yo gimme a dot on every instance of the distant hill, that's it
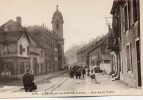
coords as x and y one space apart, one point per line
71 54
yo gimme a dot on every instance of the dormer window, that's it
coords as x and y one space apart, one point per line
57 26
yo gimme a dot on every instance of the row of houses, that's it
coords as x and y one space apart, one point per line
120 46
33 47
95 54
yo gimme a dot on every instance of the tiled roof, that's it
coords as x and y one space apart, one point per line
10 32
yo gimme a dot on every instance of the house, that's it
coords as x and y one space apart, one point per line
14 48
126 31
99 56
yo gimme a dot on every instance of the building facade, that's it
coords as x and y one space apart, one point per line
126 19
99 56
82 56
115 40
35 47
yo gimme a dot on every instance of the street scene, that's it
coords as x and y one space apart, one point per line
62 82
70 46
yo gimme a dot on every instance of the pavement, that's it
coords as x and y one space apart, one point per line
12 87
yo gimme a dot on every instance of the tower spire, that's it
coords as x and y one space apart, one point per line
57 7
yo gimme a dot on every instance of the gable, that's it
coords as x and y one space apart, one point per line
23 39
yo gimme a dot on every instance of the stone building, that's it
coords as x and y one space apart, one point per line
82 53
34 47
82 56
43 50
14 48
95 54
126 28
99 56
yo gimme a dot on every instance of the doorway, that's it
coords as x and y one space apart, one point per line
138 62
35 66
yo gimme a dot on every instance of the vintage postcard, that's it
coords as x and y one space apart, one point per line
64 48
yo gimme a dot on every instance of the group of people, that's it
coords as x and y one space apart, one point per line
77 71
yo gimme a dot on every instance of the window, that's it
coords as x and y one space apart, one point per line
20 49
130 12
57 26
6 50
41 68
135 10
126 17
41 54
27 50
129 58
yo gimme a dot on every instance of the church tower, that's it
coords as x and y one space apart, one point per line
57 25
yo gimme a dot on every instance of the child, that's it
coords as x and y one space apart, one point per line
93 77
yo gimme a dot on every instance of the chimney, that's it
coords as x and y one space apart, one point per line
18 20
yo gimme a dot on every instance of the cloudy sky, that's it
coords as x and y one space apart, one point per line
83 19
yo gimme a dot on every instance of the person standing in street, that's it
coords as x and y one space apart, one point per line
79 72
83 72
71 73
88 72
28 81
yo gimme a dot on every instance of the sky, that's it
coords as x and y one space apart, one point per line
83 19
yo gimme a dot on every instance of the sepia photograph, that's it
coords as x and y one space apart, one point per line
70 48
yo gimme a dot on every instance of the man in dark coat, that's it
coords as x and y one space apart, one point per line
28 80
83 72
